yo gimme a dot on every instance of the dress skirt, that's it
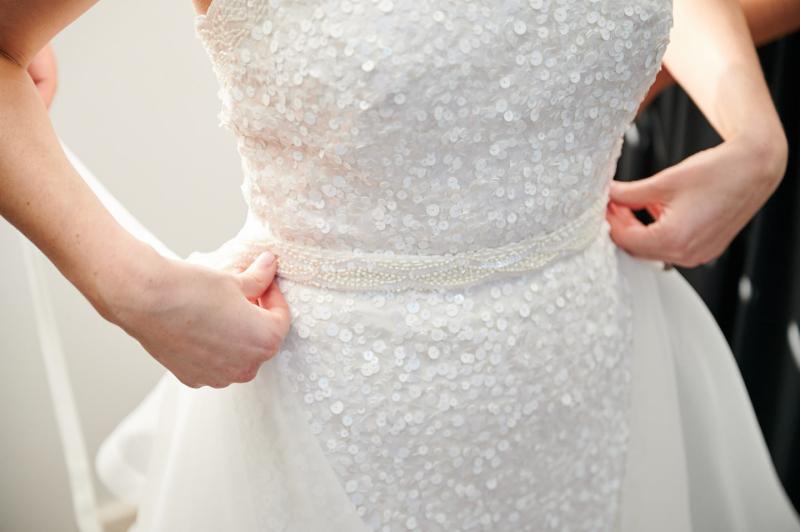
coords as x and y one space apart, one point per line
696 460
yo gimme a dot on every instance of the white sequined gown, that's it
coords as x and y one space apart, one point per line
469 351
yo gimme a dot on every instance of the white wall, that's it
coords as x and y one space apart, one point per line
137 103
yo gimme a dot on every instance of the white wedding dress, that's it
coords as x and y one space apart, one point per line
468 350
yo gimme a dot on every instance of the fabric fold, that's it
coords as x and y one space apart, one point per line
715 454
242 457
696 462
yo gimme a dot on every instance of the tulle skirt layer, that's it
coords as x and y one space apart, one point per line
194 459
697 458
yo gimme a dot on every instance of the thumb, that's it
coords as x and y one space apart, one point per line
638 194
633 236
256 278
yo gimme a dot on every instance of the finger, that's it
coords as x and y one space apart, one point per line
638 194
217 383
622 213
257 277
274 301
655 211
633 236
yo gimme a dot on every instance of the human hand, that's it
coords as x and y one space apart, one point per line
42 70
700 204
207 326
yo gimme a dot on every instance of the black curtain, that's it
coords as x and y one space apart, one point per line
753 289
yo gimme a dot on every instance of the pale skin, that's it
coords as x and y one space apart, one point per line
208 327
44 74
214 328
701 204
767 20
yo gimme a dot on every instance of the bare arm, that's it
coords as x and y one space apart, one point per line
700 204
767 20
208 327
771 19
44 73
42 194
713 58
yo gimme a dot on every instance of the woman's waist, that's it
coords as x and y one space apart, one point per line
359 270
572 313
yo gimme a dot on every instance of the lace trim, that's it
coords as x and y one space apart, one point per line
360 270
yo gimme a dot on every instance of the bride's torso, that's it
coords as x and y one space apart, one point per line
429 126
380 136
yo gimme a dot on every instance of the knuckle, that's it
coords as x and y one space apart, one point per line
191 383
271 344
268 351
278 335
247 374
696 260
703 259
281 329
234 375
219 380
689 262
696 255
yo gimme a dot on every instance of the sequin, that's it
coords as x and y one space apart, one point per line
461 134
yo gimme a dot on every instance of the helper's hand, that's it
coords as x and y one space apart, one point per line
208 327
700 204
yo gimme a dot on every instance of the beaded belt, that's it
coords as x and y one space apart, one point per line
360 270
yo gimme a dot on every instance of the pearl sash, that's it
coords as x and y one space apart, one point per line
360 270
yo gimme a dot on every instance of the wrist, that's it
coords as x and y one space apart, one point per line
128 281
768 149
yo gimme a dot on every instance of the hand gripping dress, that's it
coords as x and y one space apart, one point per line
469 351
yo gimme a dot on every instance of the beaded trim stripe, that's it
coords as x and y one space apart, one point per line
360 270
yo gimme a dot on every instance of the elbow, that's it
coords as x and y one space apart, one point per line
11 57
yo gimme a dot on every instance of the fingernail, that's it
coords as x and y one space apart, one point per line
266 258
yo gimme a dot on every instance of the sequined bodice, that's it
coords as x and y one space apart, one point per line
429 146
429 126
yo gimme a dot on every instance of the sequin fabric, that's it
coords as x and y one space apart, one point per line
434 127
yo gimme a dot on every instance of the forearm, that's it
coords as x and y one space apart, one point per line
712 57
771 19
767 20
45 198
